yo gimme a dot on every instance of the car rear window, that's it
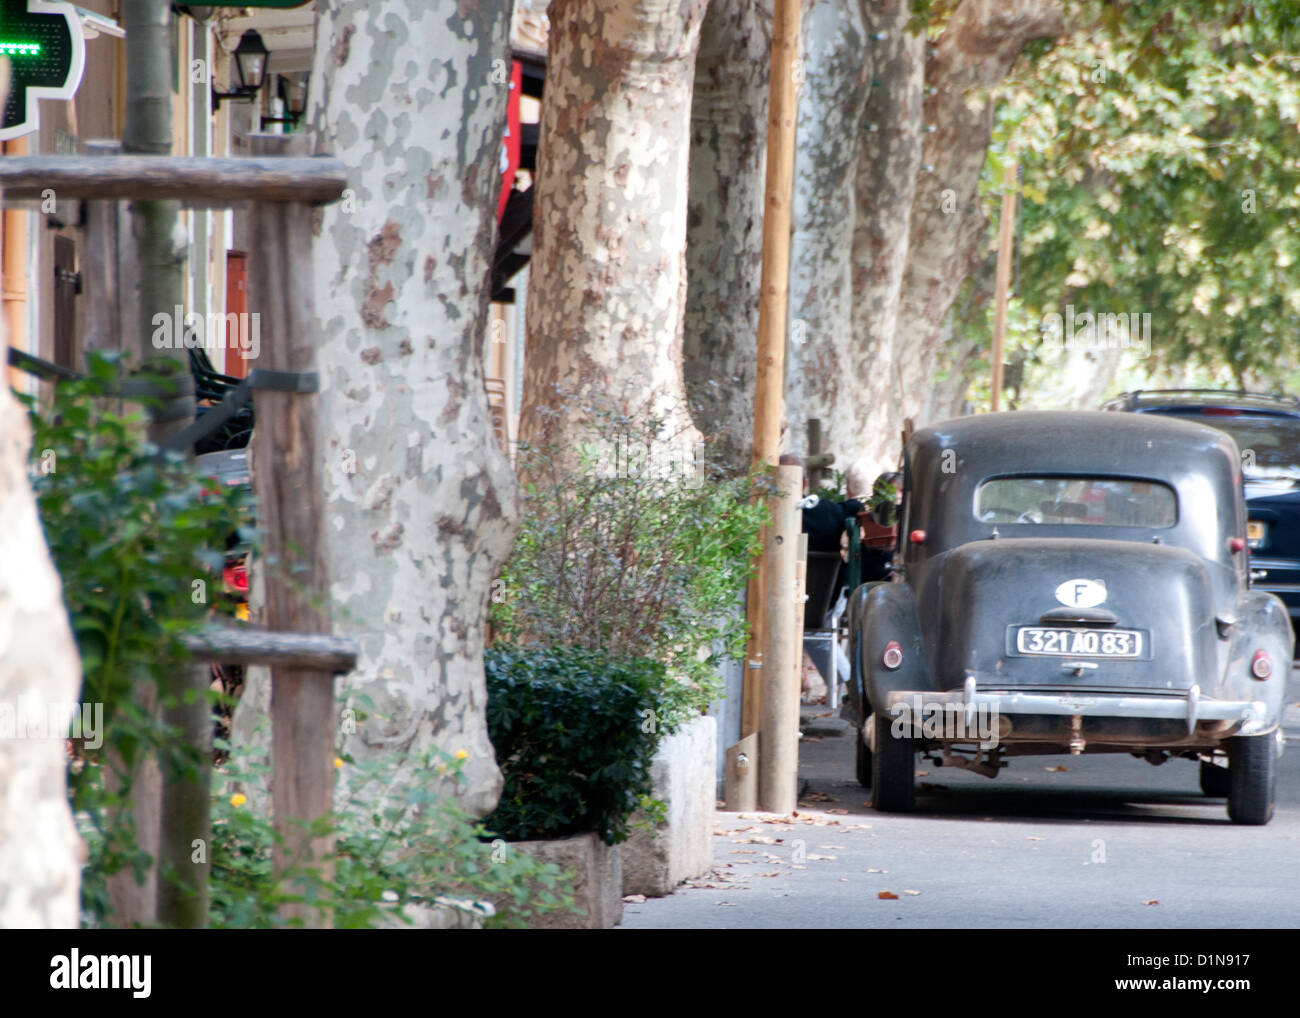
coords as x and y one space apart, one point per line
1098 501
1270 446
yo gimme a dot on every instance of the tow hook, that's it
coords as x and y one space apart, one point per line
1077 741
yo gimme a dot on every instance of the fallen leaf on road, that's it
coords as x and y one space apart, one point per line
744 851
757 839
887 896
1058 767
634 899
729 904
832 848
1151 902
874 870
798 867
1031 838
922 774
820 797
814 855
844 880
774 873
911 892
840 811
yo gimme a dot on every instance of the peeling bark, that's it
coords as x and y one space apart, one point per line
724 232
885 188
820 378
420 501
40 677
607 279
975 52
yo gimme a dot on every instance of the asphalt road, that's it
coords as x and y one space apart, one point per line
1109 842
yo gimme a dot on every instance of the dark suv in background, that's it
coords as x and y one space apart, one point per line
1266 429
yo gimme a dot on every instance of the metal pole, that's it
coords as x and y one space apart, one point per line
1005 236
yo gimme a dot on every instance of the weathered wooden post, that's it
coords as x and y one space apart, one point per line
287 476
778 739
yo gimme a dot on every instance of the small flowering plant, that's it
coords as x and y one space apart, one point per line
405 847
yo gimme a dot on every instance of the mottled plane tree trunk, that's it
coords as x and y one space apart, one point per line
889 160
837 81
40 678
976 50
607 279
724 232
411 95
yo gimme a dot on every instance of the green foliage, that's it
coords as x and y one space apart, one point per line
1159 147
393 849
139 540
630 548
575 731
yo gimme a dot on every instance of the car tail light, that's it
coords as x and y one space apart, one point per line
892 658
1260 665
237 577
1237 544
917 537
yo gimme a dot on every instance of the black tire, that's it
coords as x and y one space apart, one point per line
893 768
863 761
1252 778
1214 780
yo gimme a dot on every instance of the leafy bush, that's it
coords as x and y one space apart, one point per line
632 549
403 848
138 540
575 732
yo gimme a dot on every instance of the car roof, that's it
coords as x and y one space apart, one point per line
1271 404
946 463
1076 442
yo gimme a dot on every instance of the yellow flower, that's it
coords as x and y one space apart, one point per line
462 754
338 761
238 799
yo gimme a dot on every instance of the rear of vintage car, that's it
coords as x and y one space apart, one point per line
1070 583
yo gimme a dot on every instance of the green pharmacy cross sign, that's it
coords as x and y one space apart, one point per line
47 53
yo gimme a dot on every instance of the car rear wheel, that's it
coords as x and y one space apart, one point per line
893 768
1252 778
863 761
1214 780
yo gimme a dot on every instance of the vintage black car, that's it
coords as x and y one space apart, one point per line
1266 429
1070 583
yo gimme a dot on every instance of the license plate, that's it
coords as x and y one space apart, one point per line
1055 641
1254 533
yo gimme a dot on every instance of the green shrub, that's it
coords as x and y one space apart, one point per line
575 732
393 848
633 544
138 539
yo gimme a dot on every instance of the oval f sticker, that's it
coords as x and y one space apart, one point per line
1081 593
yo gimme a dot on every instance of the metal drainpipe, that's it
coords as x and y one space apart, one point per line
13 274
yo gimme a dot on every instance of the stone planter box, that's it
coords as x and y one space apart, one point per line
597 880
684 772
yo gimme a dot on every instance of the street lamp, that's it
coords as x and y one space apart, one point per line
250 65
293 94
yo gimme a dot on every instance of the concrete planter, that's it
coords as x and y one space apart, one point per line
684 772
597 880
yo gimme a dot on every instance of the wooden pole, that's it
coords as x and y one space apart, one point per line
1003 281
773 302
288 465
778 737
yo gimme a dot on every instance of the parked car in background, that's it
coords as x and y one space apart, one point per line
1070 583
1266 429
